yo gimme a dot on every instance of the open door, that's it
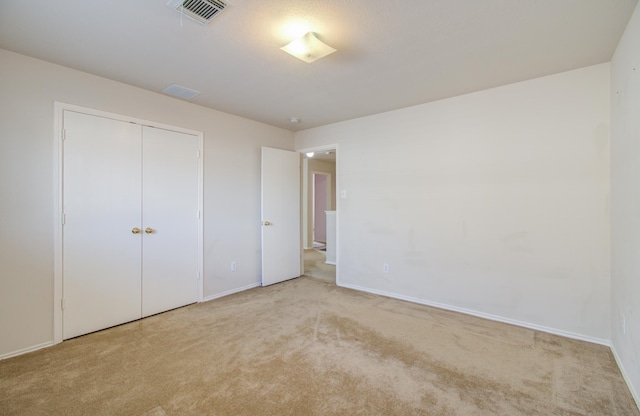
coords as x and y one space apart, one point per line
280 215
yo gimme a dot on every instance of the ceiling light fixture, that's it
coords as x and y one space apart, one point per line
310 154
294 120
308 48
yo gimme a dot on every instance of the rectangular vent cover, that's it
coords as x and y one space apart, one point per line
202 11
180 91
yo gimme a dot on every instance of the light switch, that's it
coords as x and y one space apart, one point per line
343 194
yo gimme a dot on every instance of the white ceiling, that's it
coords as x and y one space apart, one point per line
391 54
328 155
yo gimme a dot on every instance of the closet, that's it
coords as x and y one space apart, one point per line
131 226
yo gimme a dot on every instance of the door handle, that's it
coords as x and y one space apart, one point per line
148 230
266 223
135 230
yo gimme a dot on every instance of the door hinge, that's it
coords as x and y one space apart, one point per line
198 276
197 154
63 134
63 219
62 303
198 214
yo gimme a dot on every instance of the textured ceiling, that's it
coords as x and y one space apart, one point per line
391 54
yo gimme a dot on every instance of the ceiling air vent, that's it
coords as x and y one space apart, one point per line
202 11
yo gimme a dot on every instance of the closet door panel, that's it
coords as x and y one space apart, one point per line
169 212
101 205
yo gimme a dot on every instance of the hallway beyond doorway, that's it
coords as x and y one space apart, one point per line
315 266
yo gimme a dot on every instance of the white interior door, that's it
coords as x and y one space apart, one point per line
280 215
170 219
101 206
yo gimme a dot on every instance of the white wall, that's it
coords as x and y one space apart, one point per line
28 89
625 203
494 203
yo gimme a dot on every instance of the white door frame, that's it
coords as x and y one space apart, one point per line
58 138
338 197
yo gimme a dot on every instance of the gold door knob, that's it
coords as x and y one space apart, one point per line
135 230
148 230
266 223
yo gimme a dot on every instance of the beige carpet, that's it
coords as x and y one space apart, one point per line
315 266
307 347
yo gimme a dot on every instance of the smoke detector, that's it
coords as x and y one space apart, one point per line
202 11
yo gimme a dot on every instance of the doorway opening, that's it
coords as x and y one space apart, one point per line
319 216
321 196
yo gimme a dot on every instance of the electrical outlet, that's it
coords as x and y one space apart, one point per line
234 266
385 268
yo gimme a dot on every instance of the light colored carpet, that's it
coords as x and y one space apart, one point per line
315 266
307 347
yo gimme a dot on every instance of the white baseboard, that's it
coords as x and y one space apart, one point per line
26 350
230 292
625 375
491 317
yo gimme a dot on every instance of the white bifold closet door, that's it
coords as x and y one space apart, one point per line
130 233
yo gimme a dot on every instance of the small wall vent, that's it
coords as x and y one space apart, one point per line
202 11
